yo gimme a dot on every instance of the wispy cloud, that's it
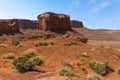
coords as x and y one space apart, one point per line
92 1
76 2
100 6
73 4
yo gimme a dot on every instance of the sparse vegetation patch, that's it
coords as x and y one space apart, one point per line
37 60
93 77
101 69
44 44
30 53
85 54
9 56
27 62
71 44
118 72
15 42
65 71
3 46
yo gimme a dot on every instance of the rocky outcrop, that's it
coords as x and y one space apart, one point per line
24 23
77 24
54 22
10 26
27 24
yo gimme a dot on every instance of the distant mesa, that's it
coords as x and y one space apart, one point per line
47 21
27 24
54 22
23 23
77 24
9 26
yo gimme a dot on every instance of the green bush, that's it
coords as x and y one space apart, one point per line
71 43
44 44
83 68
37 60
67 64
29 53
27 62
101 69
22 64
45 37
9 56
21 45
3 46
15 42
85 54
51 43
65 71
93 77
118 72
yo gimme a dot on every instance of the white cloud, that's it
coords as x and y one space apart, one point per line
92 1
103 4
76 2
100 6
73 4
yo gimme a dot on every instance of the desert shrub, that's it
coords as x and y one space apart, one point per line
85 54
37 60
51 43
93 77
27 61
29 53
67 64
71 43
101 69
45 37
44 44
21 45
15 42
118 72
83 68
65 71
3 46
22 64
9 56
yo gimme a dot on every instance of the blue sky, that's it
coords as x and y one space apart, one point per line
95 14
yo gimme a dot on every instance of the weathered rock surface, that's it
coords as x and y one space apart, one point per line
77 24
54 22
27 24
55 78
10 26
24 23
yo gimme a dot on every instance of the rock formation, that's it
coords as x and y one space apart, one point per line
24 23
77 24
11 26
27 24
54 22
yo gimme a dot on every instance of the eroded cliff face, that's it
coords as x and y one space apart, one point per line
27 24
54 22
10 26
77 24
24 23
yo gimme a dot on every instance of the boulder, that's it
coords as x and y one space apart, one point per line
10 26
54 22
77 24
